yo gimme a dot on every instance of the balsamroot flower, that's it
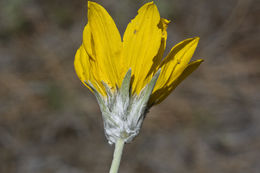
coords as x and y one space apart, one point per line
128 76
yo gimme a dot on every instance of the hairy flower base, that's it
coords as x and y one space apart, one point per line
123 113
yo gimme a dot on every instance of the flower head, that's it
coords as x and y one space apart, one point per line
130 75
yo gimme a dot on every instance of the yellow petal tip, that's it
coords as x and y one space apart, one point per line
92 4
200 60
196 39
148 4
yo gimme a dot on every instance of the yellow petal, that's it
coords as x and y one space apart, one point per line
141 43
85 70
157 60
176 61
160 94
88 42
77 65
106 42
163 26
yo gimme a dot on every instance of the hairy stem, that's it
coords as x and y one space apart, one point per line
117 156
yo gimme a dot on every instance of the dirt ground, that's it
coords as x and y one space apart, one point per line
51 123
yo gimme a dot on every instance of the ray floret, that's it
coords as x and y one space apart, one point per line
129 75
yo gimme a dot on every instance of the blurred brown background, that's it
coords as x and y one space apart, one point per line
51 123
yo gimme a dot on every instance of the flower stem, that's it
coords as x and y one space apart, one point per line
117 156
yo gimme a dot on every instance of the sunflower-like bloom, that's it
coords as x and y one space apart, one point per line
130 75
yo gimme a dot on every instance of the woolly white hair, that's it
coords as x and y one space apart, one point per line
123 113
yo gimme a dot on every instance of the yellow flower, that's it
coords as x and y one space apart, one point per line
104 60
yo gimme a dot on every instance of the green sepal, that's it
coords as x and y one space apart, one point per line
108 89
124 91
102 105
146 93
